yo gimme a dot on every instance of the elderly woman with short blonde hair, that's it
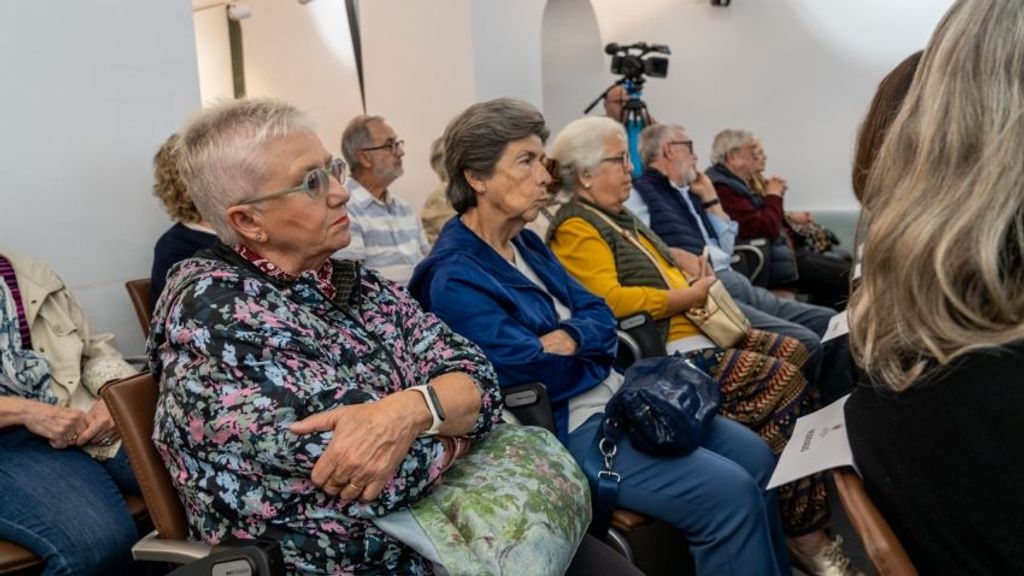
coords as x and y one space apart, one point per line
300 397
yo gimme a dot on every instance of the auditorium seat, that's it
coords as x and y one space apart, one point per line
132 404
880 542
141 293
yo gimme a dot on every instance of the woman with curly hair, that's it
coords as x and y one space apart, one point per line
190 232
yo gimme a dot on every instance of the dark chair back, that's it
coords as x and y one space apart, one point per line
639 338
880 542
530 405
132 403
141 293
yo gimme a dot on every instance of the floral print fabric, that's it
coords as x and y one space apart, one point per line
517 503
240 356
23 372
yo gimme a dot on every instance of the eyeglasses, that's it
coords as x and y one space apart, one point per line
687 143
314 184
622 159
393 146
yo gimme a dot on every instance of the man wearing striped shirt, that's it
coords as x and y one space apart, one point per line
386 234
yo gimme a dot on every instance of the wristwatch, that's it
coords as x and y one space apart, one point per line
434 405
710 203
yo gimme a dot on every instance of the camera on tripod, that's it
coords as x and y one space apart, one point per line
629 61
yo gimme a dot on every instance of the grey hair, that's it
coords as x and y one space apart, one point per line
580 146
437 158
356 137
222 154
943 265
727 141
475 140
652 141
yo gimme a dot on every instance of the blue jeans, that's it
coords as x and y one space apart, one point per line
715 496
766 311
65 506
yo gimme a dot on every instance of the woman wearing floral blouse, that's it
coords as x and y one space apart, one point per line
287 407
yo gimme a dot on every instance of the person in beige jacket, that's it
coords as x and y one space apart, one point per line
61 467
436 211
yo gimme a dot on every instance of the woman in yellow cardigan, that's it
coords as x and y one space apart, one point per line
597 240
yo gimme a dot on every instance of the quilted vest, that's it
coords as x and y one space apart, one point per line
632 266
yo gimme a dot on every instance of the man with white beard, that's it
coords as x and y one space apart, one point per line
386 234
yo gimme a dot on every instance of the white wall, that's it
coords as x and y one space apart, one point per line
799 73
507 49
303 54
419 73
213 49
90 91
574 65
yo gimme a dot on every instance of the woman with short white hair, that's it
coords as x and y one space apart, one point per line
300 397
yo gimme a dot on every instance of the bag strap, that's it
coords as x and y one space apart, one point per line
607 493
629 238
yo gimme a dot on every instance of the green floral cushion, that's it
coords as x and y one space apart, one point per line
517 503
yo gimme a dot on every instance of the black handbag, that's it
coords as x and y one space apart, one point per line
665 405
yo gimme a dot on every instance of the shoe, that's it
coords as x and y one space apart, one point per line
829 561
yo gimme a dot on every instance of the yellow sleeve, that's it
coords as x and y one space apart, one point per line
583 252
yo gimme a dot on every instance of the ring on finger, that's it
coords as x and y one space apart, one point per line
71 438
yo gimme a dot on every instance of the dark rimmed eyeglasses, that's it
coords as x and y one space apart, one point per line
687 143
621 160
314 184
393 146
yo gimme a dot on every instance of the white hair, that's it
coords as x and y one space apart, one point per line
727 141
580 146
222 154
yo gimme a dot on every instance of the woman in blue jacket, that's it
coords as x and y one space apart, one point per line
500 286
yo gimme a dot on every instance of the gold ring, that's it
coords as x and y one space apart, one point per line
72 438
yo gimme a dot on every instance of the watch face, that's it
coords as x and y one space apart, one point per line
436 402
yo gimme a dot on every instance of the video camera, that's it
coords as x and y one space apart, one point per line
633 66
